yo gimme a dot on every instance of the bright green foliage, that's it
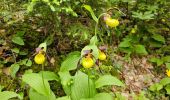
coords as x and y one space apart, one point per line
6 95
82 87
16 50
143 16
70 26
33 95
71 62
108 80
14 69
50 76
167 88
65 79
63 98
91 12
161 61
18 40
101 96
158 37
37 83
156 87
140 49
165 81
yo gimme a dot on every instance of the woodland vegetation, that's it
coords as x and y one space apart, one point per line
84 50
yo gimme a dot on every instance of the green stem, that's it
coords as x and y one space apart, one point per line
96 26
89 82
43 77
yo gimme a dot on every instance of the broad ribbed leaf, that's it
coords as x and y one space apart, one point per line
65 78
33 95
108 80
101 96
49 75
71 61
6 95
64 98
82 87
37 83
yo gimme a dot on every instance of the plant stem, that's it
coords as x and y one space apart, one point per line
96 26
43 77
89 82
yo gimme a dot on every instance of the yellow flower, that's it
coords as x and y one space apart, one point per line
87 62
39 58
102 55
168 72
112 22
133 30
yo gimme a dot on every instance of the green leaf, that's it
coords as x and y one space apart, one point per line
37 83
158 37
156 87
167 88
166 58
140 49
24 62
71 61
20 33
1 87
28 63
153 60
49 75
155 44
165 81
14 69
108 80
64 98
124 44
101 96
16 50
87 7
126 50
6 95
167 65
143 16
93 40
18 40
33 95
95 50
82 87
65 79
158 61
23 52
52 7
30 6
